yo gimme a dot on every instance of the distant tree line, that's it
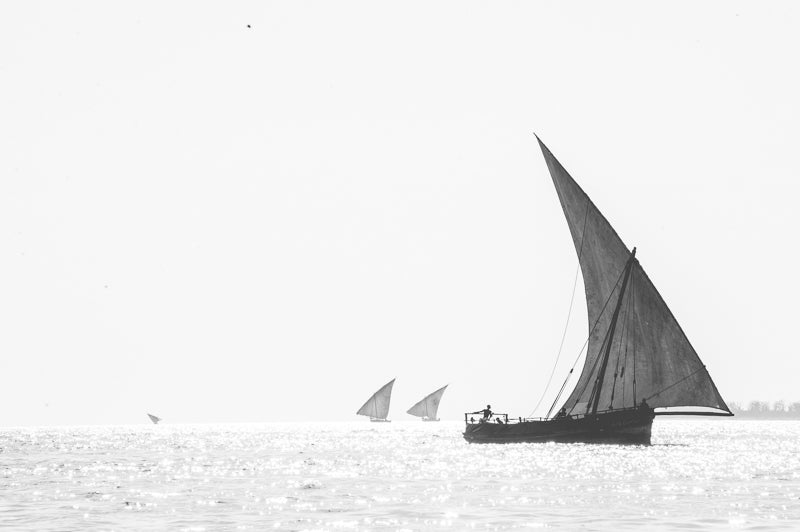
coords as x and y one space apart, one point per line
765 410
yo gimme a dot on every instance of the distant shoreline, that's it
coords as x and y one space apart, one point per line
766 410
766 415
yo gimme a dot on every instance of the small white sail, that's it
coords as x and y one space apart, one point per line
429 406
154 419
377 406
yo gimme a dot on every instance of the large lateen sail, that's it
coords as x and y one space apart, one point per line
154 419
429 406
377 406
649 356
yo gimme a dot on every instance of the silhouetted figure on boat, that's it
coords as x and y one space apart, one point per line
644 404
486 412
562 412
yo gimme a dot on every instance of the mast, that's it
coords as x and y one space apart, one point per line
610 335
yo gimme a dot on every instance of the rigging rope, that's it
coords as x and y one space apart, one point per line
596 322
585 343
569 314
623 340
561 346
633 298
629 335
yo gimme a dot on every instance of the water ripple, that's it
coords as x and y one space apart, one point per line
699 474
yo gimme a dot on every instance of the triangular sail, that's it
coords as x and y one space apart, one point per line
377 406
429 406
651 358
154 419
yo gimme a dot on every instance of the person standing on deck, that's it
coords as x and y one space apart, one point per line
486 412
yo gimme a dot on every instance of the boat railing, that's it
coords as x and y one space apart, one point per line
497 418
469 417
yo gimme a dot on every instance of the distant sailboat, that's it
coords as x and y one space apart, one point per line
428 406
154 419
377 406
638 357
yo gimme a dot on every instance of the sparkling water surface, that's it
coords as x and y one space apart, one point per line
699 474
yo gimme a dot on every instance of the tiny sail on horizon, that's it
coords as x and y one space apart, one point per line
428 407
154 419
377 406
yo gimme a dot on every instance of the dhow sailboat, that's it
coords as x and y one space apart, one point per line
639 363
377 406
428 406
154 419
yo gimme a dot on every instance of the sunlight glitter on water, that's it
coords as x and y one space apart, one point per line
719 474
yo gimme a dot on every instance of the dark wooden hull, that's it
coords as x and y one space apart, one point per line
622 426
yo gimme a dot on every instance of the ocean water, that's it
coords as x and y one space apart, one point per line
699 474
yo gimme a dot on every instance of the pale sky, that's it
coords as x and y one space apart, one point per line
220 223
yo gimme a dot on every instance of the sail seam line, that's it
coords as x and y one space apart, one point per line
585 344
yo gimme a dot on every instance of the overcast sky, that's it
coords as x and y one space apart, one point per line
253 211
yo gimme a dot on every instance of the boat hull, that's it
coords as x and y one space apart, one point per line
379 420
632 426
